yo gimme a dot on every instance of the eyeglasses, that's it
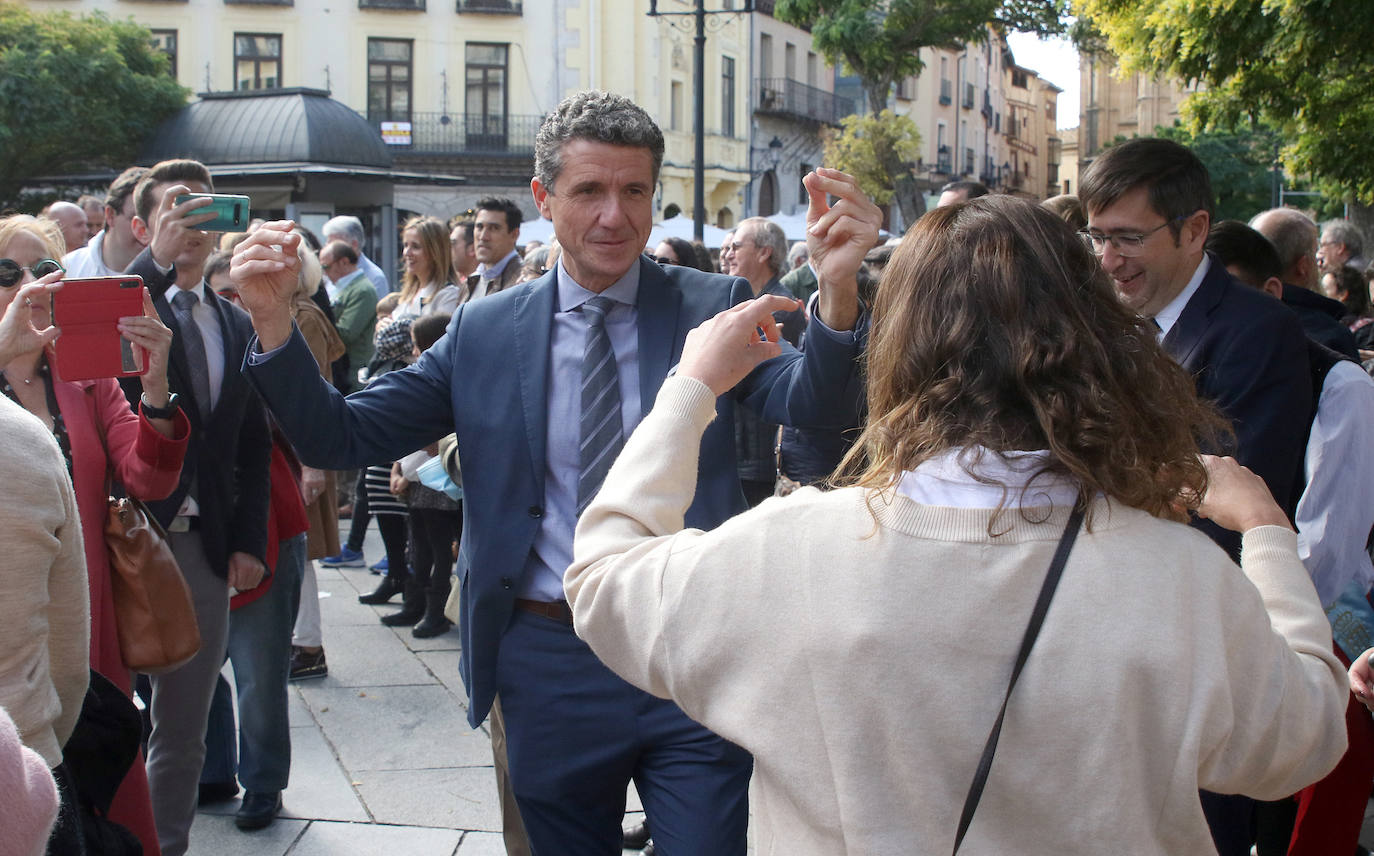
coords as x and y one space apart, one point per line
735 247
1126 246
12 272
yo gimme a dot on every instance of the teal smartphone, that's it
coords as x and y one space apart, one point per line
231 211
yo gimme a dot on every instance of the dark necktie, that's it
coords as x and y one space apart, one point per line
601 431
194 345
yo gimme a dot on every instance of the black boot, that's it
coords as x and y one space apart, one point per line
434 623
390 586
412 609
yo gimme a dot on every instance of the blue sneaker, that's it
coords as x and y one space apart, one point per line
381 567
346 559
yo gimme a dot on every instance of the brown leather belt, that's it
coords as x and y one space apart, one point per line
557 610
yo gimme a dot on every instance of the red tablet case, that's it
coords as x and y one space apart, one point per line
87 311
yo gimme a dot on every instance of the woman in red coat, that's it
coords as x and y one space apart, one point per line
145 453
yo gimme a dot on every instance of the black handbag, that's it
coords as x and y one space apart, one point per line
1042 605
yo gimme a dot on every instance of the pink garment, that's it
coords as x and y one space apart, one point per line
29 805
148 465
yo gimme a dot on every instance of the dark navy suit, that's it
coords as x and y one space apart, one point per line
1248 354
486 380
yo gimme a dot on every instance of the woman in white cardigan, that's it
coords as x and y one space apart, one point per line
860 641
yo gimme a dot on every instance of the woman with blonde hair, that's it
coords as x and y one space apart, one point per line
96 429
426 253
1014 401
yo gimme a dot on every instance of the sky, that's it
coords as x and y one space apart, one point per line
1056 61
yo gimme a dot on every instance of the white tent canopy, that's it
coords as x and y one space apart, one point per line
536 230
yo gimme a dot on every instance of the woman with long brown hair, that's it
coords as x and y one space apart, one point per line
426 253
860 641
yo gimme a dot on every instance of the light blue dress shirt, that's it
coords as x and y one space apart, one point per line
542 578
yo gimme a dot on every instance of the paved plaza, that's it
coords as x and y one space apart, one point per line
383 760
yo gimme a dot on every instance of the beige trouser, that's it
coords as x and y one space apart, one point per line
512 827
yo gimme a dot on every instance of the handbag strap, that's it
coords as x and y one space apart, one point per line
1042 606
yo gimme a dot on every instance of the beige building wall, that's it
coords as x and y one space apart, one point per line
552 48
1112 106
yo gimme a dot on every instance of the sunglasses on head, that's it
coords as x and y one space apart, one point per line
12 272
663 260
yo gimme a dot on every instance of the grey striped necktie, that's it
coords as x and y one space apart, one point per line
602 435
191 342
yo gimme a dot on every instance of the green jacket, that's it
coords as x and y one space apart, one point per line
355 315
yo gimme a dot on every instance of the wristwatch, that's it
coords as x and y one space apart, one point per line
159 412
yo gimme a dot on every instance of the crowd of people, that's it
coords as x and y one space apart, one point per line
767 513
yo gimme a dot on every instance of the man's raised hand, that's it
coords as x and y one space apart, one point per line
838 237
266 269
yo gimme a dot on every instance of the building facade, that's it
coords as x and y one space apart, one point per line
1113 106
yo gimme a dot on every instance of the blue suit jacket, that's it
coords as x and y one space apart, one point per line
486 381
1248 354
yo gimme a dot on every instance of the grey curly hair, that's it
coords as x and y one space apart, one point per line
602 117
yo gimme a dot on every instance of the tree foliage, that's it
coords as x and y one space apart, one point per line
76 94
1299 65
1240 164
880 41
865 144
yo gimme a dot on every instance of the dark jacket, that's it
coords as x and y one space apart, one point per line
1320 317
228 454
1248 355
755 439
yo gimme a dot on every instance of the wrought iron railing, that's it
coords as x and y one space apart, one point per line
456 133
788 97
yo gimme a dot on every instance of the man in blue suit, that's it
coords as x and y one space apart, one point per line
520 377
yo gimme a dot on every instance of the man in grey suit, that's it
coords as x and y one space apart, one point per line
541 383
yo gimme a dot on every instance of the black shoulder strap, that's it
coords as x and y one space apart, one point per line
1042 606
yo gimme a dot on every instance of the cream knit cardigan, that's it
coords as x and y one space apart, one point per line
859 647
45 619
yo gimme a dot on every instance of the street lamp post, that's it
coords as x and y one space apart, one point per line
699 102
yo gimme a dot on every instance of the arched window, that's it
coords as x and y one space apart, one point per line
768 193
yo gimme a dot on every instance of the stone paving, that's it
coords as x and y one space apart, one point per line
383 759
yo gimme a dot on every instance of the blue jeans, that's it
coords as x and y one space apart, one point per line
260 649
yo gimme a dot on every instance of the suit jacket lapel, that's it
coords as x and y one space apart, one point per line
1186 334
659 303
533 336
178 367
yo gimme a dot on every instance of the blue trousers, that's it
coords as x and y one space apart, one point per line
260 649
576 735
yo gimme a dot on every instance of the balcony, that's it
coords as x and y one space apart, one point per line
788 98
946 88
407 5
490 7
944 163
449 134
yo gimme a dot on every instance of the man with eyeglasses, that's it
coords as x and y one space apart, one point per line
1149 204
1340 246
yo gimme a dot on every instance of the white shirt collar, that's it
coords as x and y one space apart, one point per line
948 480
1167 317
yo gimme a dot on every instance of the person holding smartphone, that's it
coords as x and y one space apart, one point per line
143 448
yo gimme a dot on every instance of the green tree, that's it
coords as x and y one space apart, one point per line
864 144
76 94
1297 65
1240 164
880 41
